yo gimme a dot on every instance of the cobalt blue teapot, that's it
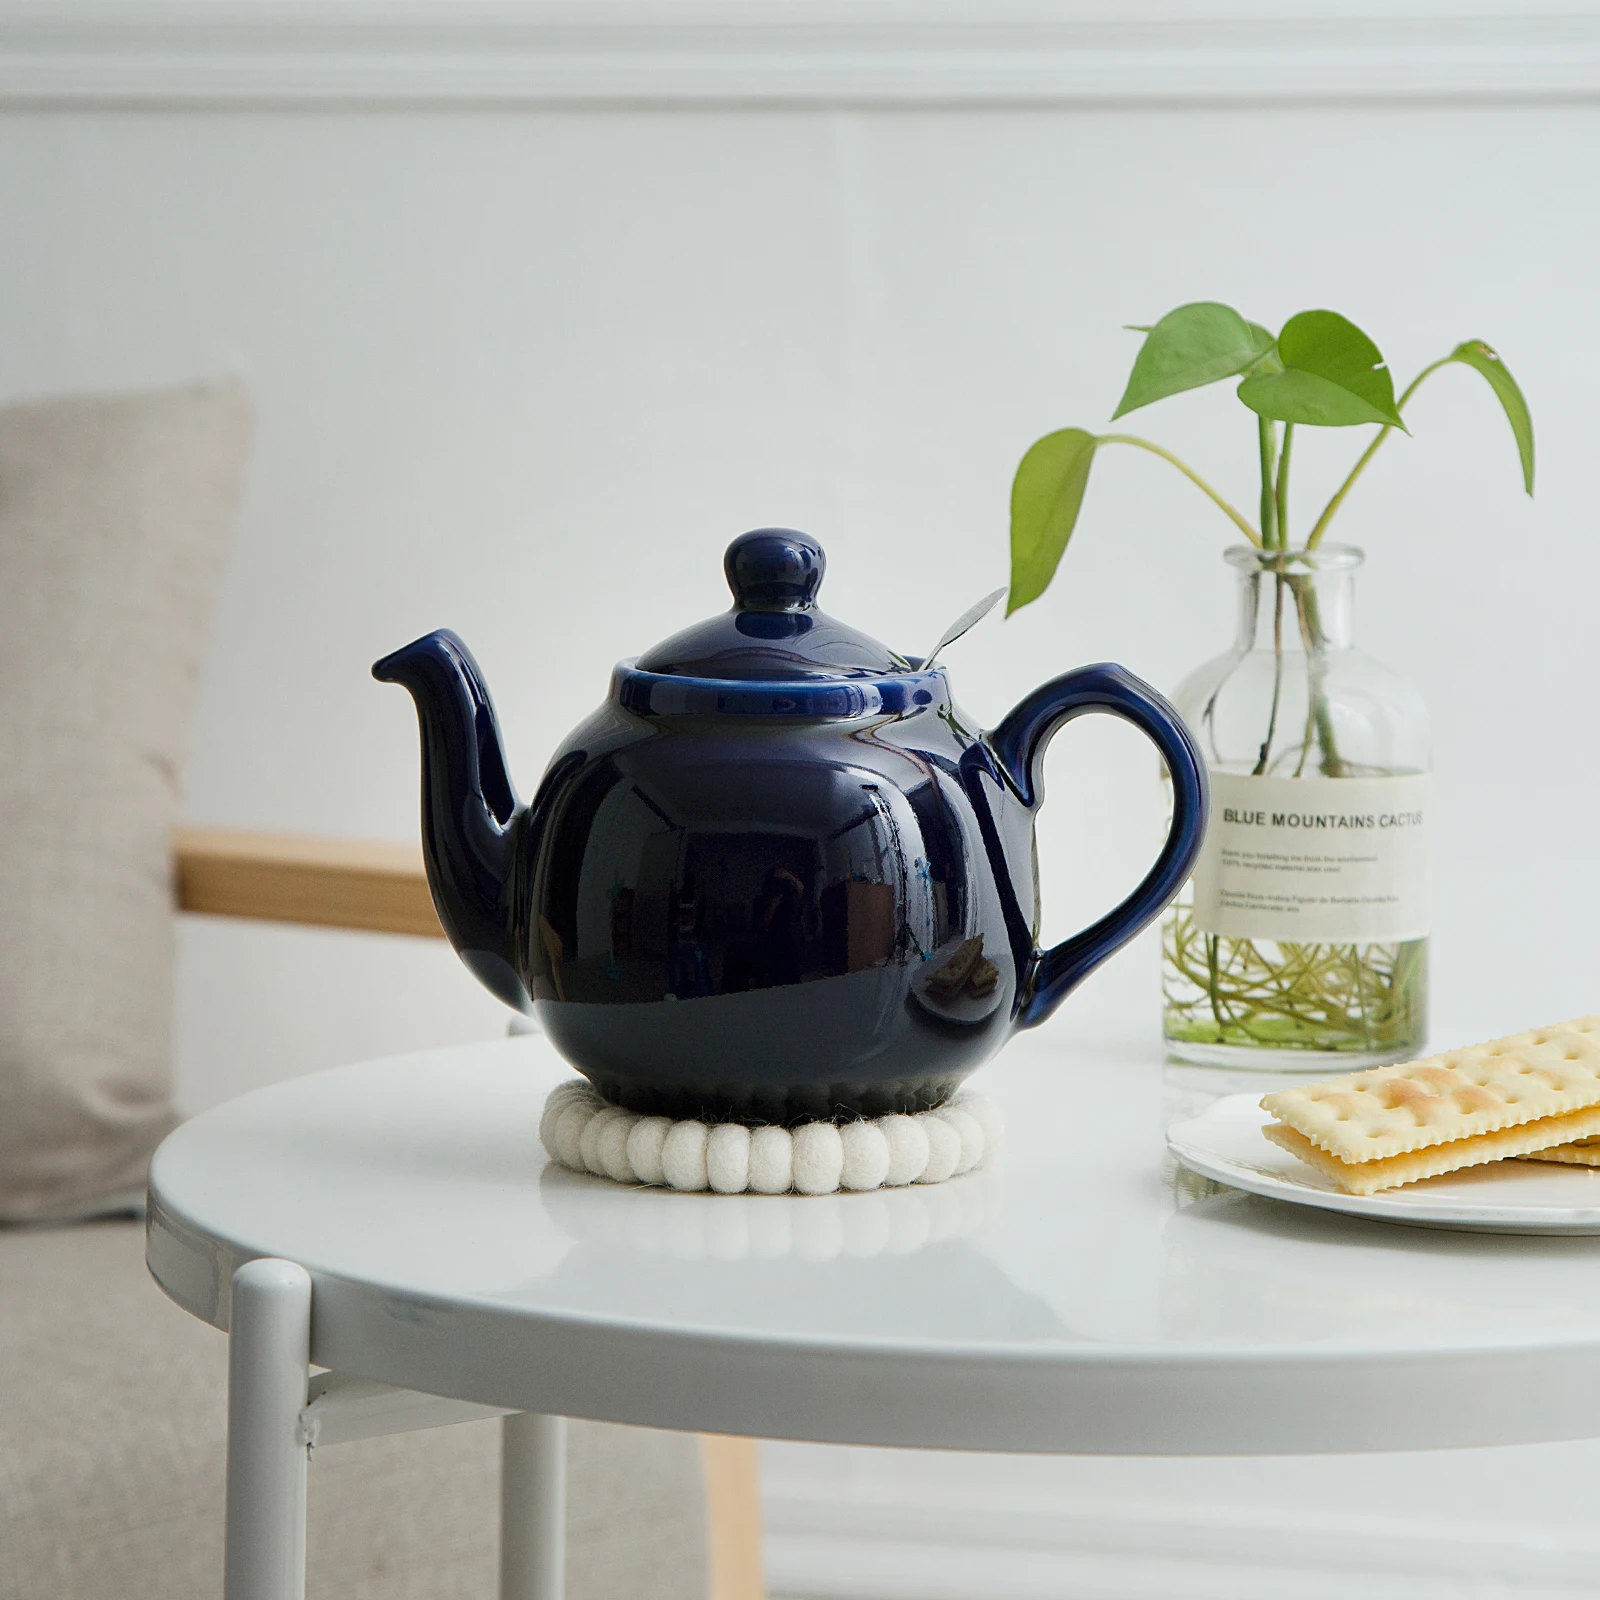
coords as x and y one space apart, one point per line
778 876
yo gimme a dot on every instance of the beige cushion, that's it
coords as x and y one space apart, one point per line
113 517
112 1430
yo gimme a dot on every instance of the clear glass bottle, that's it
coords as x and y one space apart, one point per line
1301 941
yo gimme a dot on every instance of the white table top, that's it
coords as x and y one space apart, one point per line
1081 1295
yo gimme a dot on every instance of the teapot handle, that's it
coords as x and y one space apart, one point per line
1019 744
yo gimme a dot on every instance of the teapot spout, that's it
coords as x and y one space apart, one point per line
471 816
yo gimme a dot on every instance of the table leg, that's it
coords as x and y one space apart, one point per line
533 1507
269 1351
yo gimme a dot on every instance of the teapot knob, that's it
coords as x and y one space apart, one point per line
774 569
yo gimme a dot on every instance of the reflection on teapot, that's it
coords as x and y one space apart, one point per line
778 875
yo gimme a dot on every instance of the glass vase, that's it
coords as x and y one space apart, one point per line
1301 942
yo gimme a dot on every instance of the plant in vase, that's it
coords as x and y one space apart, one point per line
1303 934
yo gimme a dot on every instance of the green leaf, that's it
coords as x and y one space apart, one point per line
1045 497
1333 377
1481 358
1188 348
1266 348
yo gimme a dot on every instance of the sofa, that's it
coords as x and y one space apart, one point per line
114 513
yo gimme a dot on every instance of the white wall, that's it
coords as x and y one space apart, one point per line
524 370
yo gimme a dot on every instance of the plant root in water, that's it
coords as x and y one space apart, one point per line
1356 998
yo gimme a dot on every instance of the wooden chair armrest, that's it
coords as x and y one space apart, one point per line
280 877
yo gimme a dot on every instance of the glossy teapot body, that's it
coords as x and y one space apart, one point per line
770 900
778 917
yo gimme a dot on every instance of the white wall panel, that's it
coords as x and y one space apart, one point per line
809 52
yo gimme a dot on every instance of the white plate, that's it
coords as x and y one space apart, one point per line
1225 1143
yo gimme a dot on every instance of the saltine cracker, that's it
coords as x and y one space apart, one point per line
1543 1073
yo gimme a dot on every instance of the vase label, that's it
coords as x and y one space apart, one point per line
1315 860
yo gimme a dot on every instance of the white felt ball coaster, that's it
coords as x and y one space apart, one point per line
558 1102
612 1149
865 1161
583 1132
683 1156
908 1149
728 1158
771 1161
569 1131
818 1158
987 1115
594 1131
968 1132
645 1141
944 1149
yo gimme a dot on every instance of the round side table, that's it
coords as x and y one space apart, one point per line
397 1223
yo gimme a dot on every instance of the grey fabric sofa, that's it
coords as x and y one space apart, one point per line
114 514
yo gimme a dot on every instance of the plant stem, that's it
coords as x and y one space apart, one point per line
1305 738
1283 487
1314 693
1362 1003
1277 675
1275 498
1193 477
1319 715
1269 451
1214 985
1366 455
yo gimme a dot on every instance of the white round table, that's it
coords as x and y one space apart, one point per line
397 1222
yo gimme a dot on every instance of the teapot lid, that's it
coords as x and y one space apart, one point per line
774 630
